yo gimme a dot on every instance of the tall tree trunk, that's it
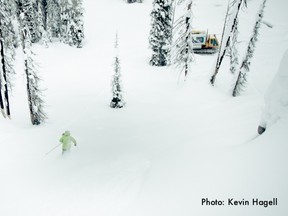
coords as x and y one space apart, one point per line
187 38
1 100
24 37
4 74
245 66
28 90
233 50
226 43
1 97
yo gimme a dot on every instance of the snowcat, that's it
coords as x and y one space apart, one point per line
204 43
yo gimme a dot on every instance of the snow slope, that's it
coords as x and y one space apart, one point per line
172 145
276 97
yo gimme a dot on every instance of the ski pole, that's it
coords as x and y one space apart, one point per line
53 149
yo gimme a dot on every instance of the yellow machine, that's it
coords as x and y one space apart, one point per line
204 43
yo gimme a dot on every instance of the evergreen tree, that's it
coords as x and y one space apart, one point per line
71 22
183 49
76 25
161 32
34 92
42 34
245 66
65 19
7 54
4 101
28 9
117 100
44 6
52 19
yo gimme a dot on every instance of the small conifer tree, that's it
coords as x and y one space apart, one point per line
117 98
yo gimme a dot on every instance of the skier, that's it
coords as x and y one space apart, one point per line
66 141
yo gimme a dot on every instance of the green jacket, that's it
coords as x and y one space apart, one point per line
67 140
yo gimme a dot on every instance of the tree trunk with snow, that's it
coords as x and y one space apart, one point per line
2 106
2 102
42 34
183 48
233 50
34 91
229 25
4 74
245 66
8 39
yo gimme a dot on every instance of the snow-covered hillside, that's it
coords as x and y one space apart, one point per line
276 98
172 145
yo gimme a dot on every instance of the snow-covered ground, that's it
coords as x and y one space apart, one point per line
172 145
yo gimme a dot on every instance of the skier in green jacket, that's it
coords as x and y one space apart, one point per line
66 141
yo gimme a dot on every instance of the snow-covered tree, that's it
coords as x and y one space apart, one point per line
76 25
71 22
7 53
4 101
2 106
161 32
117 98
65 18
245 66
27 8
42 34
52 19
233 50
35 101
182 48
230 23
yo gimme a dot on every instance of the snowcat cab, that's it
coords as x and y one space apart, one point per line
204 43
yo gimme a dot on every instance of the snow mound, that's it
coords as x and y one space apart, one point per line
276 97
